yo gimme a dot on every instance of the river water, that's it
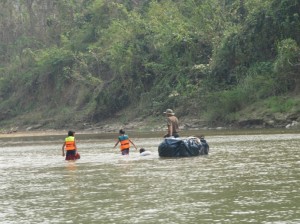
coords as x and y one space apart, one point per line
246 178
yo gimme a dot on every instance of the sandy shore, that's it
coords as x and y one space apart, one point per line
31 133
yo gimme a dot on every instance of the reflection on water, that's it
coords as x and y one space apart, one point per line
244 179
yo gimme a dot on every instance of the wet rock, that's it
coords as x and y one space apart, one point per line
37 126
293 125
251 123
270 123
12 130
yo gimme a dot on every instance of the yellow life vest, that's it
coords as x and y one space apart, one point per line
70 143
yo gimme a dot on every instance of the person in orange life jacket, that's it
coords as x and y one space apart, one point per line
124 143
70 146
172 124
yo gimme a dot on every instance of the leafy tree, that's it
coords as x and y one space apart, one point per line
287 65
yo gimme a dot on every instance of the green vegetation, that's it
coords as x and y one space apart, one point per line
83 61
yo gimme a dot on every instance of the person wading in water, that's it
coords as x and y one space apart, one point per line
70 146
124 143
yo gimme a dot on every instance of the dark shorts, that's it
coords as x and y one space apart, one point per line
72 155
125 152
176 135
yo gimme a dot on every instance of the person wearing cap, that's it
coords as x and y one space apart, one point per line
124 141
70 146
172 124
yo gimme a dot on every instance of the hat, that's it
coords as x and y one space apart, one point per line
169 111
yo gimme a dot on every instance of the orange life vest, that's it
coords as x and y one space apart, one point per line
124 141
70 143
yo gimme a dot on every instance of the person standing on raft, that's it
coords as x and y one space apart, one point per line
172 124
70 146
124 143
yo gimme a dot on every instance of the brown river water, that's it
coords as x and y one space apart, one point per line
248 177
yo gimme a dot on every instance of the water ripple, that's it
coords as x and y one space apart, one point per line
245 179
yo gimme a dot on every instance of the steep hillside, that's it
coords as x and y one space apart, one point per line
85 64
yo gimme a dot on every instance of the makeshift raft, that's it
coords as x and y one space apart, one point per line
177 147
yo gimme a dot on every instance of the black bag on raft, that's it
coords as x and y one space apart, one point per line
176 147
